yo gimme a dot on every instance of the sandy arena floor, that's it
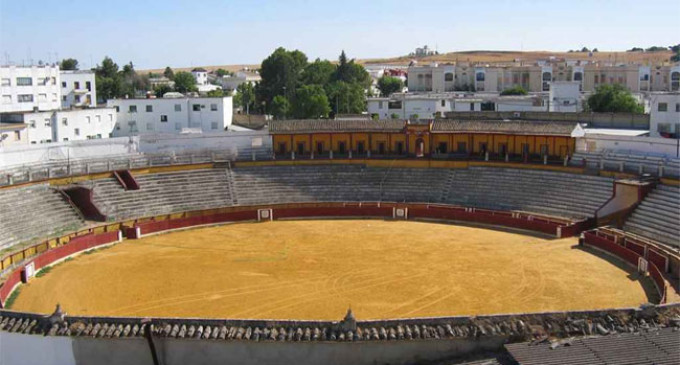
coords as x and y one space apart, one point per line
317 269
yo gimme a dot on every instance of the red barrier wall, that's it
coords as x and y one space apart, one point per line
657 259
635 247
75 245
350 211
158 226
658 280
611 247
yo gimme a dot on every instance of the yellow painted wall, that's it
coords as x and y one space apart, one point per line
340 137
323 138
359 137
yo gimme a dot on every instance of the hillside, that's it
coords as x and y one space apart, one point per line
489 57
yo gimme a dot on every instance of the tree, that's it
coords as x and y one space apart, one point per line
281 74
318 73
517 90
585 49
69 64
655 49
280 107
350 72
310 102
220 72
217 93
169 73
389 85
636 49
613 99
109 84
161 90
245 96
676 53
185 82
346 98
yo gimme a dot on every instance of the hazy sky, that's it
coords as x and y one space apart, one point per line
153 34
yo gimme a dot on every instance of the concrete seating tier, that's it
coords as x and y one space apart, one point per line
33 213
546 192
163 193
559 194
632 163
658 216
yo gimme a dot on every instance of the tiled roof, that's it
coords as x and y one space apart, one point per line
334 126
504 126
518 328
648 346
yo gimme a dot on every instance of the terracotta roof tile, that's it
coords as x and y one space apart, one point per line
334 126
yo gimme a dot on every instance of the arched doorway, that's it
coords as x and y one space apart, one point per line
420 147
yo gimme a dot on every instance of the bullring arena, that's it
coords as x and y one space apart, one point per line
317 269
340 258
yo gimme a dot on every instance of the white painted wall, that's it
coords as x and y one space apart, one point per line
44 89
171 115
623 144
20 349
75 90
82 124
660 120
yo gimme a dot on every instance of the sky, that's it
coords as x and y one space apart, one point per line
179 33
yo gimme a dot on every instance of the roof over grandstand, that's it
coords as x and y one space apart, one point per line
521 127
335 126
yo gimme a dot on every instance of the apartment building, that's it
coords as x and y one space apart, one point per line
78 89
664 115
12 134
172 115
29 88
537 78
64 125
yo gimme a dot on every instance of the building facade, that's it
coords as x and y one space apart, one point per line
664 115
78 89
29 88
13 134
171 115
64 125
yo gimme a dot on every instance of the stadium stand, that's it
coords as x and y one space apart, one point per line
658 216
163 193
631 163
34 212
545 192
652 347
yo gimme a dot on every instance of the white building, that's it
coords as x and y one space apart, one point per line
230 82
565 97
64 125
664 115
13 134
78 89
172 115
29 88
202 84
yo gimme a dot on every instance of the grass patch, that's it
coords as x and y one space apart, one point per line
44 271
12 298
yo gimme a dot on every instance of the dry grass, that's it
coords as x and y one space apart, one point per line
316 269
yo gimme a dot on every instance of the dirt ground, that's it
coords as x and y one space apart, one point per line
317 269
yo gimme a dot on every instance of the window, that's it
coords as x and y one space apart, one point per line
196 107
98 118
99 136
65 139
117 126
47 122
394 104
17 135
76 131
25 98
6 82
443 147
544 150
480 76
341 148
482 147
472 107
7 99
300 148
164 118
663 127
117 108
88 85
178 107
677 107
675 81
663 107
110 117
578 76
319 148
502 149
448 76
133 109
88 120
149 108
64 121
24 81
77 98
213 125
462 147
443 103
32 124
380 105
361 149
149 126
213 107
76 85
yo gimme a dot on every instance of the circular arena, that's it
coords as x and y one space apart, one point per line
390 262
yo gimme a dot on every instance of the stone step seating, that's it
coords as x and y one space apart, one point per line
32 213
632 162
547 192
287 184
658 216
163 193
